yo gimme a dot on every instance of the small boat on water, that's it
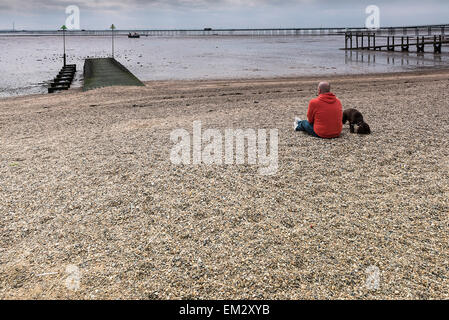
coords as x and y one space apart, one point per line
133 35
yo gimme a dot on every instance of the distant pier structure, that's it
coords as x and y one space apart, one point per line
427 30
398 39
403 43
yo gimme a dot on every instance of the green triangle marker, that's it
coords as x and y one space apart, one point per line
64 27
112 27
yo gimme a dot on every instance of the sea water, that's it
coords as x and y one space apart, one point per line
29 63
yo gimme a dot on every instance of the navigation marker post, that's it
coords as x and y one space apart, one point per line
64 28
112 29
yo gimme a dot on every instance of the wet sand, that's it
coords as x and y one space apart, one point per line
86 180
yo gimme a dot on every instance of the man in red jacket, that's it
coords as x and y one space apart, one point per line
325 115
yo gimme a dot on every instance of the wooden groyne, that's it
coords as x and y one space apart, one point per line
370 41
64 78
106 72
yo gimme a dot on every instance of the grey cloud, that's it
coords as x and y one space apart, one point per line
211 4
225 13
108 4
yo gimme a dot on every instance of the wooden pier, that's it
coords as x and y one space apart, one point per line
106 72
367 41
423 30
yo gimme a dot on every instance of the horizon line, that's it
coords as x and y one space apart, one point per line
227 29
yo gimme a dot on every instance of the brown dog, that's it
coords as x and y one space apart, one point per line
356 118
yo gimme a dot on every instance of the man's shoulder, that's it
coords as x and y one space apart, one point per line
338 100
314 100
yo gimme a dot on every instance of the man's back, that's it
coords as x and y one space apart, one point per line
326 115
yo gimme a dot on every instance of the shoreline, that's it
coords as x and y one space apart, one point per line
426 72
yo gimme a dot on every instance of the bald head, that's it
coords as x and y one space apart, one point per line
324 87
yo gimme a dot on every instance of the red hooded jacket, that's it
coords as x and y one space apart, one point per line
326 115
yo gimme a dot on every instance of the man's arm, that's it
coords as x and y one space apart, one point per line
311 113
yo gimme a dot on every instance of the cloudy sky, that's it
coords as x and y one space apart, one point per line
161 14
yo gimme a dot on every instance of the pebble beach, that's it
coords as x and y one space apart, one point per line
86 182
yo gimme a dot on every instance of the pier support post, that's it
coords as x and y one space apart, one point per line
420 46
437 44
405 47
390 47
